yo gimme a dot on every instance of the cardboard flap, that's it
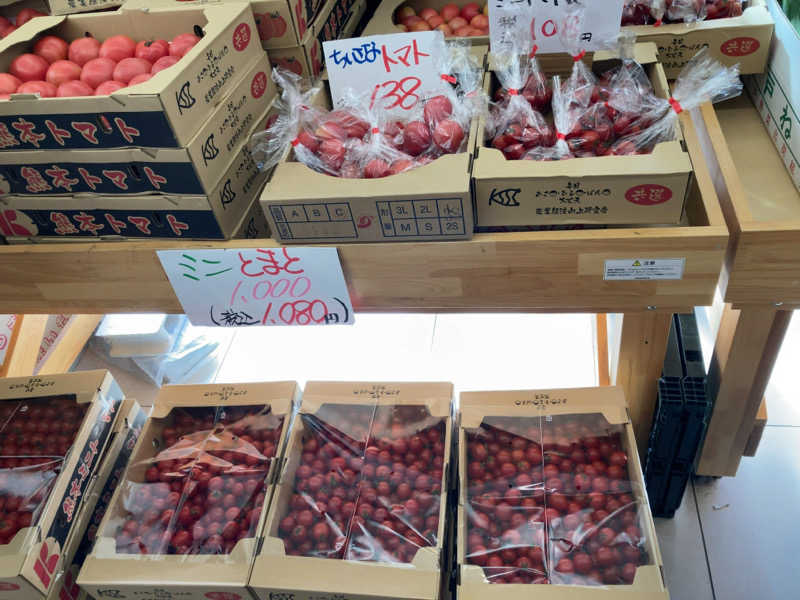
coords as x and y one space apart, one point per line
80 384
278 395
610 401
437 397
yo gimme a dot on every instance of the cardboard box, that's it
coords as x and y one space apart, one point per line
108 572
57 7
618 190
35 554
337 19
276 574
127 428
547 411
776 92
742 40
194 170
280 23
383 21
165 112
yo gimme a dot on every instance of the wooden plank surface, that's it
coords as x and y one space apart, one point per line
24 346
760 423
69 344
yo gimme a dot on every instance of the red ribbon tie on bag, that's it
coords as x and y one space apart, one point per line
449 79
375 130
534 50
676 106
560 136
579 56
295 142
658 23
513 92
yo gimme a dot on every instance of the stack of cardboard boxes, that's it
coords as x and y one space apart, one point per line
164 159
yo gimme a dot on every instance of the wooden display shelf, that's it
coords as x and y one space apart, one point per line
761 283
537 271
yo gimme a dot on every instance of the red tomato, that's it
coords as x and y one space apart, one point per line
8 83
165 62
4 22
74 88
117 47
470 10
108 87
83 50
61 71
449 12
140 79
151 50
182 43
457 23
98 70
427 13
6 31
26 14
44 89
448 136
51 48
128 68
29 67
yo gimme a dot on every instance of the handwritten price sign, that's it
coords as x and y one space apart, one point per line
540 21
259 286
396 70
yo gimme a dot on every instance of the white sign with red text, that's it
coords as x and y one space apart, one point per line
539 22
259 286
7 323
393 72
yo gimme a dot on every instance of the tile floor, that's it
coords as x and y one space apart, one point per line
732 539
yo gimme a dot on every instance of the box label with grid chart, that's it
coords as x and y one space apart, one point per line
314 221
420 218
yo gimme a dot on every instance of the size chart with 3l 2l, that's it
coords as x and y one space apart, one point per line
412 218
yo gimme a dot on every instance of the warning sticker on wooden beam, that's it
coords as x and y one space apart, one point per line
644 269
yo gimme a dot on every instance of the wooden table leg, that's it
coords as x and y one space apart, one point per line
641 359
744 354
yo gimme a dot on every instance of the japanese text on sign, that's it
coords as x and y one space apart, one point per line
259 286
529 22
396 70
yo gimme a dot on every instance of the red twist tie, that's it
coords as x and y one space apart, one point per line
658 23
560 136
676 106
295 142
450 79
579 56
303 107
534 50
513 92
375 130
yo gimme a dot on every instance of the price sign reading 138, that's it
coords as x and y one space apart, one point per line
395 71
259 286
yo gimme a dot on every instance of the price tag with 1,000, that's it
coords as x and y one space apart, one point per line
540 21
259 286
394 71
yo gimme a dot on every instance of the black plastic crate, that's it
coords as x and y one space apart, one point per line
676 487
667 421
657 482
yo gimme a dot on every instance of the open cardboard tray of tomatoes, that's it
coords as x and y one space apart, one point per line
387 20
742 40
165 112
195 493
54 432
127 427
360 506
551 493
512 193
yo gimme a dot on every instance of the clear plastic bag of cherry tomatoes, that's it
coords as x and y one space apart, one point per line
368 485
549 501
204 489
35 437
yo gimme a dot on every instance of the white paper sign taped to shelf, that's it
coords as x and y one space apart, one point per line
643 269
395 70
538 22
7 323
259 286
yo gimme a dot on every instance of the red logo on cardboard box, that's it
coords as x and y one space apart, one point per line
8 587
740 46
14 222
259 84
222 596
241 36
648 194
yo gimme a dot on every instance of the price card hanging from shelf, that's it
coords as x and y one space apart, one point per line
395 70
527 23
259 286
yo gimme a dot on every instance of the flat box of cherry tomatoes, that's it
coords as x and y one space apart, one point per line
166 111
742 40
186 516
127 427
337 19
360 506
454 19
616 188
53 433
280 23
551 493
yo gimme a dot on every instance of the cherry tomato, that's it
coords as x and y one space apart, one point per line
29 67
62 71
51 48
117 47
97 70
